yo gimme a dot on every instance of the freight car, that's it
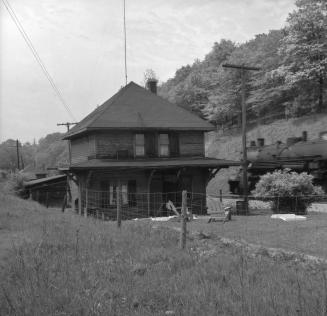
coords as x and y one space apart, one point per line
298 154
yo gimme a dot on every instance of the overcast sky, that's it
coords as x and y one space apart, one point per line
81 44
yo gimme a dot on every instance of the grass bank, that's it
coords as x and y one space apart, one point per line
307 237
229 144
63 264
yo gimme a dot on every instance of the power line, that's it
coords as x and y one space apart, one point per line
125 42
36 55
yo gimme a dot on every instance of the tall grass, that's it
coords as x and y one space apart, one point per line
77 266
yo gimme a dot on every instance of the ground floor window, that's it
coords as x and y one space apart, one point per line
113 189
110 190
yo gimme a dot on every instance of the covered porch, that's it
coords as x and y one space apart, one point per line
142 187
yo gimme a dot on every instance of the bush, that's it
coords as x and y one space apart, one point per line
289 191
15 184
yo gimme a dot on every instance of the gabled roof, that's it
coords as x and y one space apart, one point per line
134 107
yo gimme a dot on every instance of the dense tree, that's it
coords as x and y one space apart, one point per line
304 53
292 78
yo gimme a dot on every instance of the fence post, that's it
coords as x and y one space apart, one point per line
221 195
79 199
118 204
184 216
86 201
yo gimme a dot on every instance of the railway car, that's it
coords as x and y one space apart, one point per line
298 154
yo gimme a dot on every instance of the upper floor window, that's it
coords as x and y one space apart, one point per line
163 145
139 145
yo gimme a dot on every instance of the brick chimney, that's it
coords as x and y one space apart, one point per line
151 85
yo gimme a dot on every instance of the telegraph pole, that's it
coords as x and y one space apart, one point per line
67 124
244 162
17 152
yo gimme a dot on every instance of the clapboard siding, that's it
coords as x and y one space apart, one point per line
107 144
82 148
191 144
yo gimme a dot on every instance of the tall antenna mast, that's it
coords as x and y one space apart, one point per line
125 42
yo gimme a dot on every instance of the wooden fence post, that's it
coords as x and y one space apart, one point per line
184 217
47 199
86 201
221 195
79 199
118 204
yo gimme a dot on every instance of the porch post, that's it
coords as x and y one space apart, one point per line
86 200
88 179
149 186
79 198
119 201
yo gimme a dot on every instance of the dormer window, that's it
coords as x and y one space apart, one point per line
139 145
163 145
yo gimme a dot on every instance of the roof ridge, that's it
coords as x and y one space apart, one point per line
113 99
133 106
98 111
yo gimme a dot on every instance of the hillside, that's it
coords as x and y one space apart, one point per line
49 151
291 77
229 145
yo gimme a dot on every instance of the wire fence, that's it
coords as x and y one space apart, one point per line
233 124
104 204
224 216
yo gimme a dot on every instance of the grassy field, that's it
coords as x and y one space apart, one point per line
308 237
63 264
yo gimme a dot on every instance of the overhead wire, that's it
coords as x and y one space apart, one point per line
37 56
125 43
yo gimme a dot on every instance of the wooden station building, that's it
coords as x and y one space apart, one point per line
144 145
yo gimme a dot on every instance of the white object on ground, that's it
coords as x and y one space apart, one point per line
318 207
289 217
163 219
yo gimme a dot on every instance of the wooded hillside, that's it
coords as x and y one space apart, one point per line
291 82
48 152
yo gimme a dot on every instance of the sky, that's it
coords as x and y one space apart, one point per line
81 43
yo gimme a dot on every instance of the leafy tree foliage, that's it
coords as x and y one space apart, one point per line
290 191
304 53
49 152
292 78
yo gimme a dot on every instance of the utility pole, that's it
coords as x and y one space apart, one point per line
17 152
244 162
67 124
125 43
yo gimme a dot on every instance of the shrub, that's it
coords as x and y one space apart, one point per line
289 191
15 184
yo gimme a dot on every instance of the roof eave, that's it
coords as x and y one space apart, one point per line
137 128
